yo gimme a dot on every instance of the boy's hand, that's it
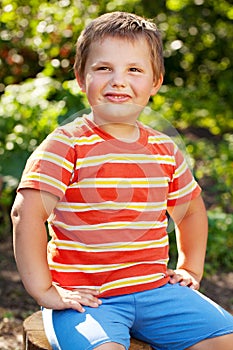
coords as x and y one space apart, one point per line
184 278
59 298
79 297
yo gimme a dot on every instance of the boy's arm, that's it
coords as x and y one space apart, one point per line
191 233
29 214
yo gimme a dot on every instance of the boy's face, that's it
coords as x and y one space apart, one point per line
118 79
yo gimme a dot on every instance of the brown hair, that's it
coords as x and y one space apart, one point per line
122 25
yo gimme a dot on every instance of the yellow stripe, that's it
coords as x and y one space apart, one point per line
67 140
55 159
42 178
72 140
159 139
180 170
122 246
85 140
124 158
113 225
88 268
123 182
82 207
100 268
127 282
184 191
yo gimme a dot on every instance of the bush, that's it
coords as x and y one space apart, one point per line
219 253
28 113
220 243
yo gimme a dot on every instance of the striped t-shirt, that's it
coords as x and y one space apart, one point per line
108 230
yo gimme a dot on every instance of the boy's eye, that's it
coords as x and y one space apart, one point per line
103 68
134 69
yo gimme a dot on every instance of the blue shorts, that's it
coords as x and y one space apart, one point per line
170 317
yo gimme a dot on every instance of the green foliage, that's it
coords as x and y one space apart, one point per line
219 254
206 129
198 42
220 243
37 47
191 107
214 169
28 113
40 35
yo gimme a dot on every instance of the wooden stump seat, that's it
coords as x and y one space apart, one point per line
34 337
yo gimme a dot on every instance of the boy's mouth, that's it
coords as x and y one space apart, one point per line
113 97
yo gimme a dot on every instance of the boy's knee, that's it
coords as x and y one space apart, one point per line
110 346
218 343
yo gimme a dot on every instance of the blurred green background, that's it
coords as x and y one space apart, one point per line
38 92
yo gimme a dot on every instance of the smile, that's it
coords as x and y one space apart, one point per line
117 97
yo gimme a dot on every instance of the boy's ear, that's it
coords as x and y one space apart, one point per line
156 86
80 82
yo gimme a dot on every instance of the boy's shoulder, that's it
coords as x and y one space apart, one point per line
156 135
160 140
73 133
74 128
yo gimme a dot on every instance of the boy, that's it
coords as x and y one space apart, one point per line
104 183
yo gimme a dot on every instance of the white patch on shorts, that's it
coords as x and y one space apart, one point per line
92 330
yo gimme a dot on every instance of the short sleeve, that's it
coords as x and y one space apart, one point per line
183 186
51 165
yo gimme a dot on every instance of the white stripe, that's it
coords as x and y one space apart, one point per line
132 281
180 170
125 159
47 315
122 182
115 225
160 139
55 159
110 205
188 189
92 330
70 268
43 178
85 140
115 246
62 138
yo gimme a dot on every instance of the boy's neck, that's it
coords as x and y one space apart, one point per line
124 132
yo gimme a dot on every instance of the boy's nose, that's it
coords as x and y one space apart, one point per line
118 80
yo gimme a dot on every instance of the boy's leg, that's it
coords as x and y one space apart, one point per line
105 327
219 343
177 318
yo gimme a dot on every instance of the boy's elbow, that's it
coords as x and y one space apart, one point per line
20 209
14 214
